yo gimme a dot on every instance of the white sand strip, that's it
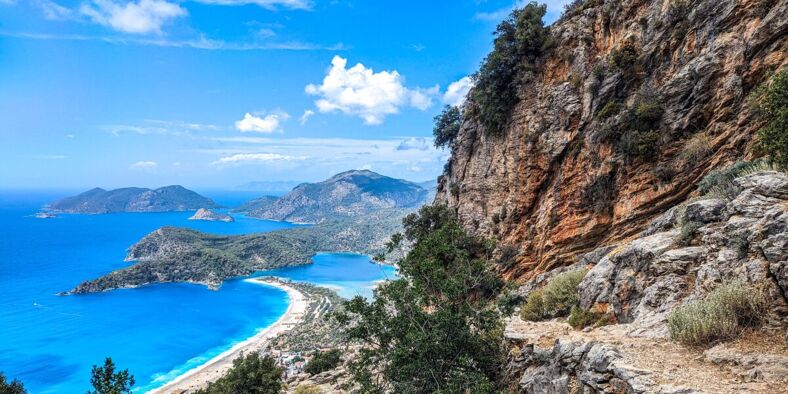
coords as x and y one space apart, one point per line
200 376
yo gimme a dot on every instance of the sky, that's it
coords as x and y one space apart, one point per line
219 93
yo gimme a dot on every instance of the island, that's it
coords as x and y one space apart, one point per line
172 254
133 199
345 195
211 216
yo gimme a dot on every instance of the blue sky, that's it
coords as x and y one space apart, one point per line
217 93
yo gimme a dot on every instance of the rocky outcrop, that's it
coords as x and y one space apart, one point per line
348 194
743 237
554 185
683 254
133 199
211 216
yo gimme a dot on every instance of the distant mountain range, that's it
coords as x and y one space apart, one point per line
133 199
347 194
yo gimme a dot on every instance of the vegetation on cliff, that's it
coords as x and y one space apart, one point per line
519 42
105 380
772 103
437 329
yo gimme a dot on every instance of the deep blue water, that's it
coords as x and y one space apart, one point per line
50 342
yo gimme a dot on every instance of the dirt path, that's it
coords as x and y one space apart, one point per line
668 363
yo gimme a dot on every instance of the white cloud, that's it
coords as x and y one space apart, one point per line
142 16
414 143
307 114
362 92
242 158
457 91
266 124
55 11
144 165
269 4
199 43
396 157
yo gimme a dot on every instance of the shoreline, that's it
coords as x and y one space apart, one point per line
199 377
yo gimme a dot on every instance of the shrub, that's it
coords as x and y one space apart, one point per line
307 389
323 361
720 183
721 315
533 309
664 173
580 318
447 126
519 41
610 109
249 374
560 295
625 57
13 387
772 103
556 299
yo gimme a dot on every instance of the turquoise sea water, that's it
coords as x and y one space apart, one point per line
158 331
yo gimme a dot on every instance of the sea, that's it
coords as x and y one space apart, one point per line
157 332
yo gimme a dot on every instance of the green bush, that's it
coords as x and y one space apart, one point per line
612 108
519 41
556 299
13 387
772 102
323 361
447 126
249 374
533 309
625 57
580 318
720 183
720 316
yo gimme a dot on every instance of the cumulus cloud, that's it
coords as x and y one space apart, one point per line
144 165
242 158
269 4
362 92
266 124
457 91
142 16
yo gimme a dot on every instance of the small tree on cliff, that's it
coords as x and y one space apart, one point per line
447 126
519 41
771 100
435 329
250 374
106 381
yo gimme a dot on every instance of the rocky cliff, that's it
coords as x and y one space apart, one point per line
574 169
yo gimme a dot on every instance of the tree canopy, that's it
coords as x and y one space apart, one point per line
253 374
436 329
13 387
105 380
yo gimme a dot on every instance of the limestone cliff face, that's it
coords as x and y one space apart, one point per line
553 187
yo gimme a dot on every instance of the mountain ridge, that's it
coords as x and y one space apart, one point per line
133 199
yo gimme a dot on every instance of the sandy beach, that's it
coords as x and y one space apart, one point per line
199 377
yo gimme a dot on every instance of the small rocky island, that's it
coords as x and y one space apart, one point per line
133 199
211 216
44 215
